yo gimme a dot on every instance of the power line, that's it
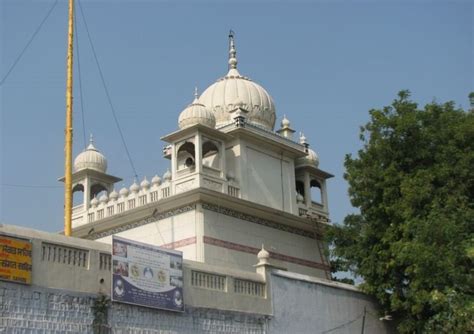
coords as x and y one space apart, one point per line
28 186
342 325
107 92
28 43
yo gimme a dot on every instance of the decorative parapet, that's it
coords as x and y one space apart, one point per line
315 211
143 195
78 265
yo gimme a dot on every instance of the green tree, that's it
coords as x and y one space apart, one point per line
412 242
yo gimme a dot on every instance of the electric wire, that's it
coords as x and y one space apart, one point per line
342 325
107 92
80 82
28 43
28 186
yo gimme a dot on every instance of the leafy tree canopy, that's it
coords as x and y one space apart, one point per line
412 242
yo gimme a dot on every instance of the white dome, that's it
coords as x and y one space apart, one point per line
103 198
145 184
113 195
310 159
94 202
124 192
263 254
90 158
285 122
196 113
134 188
235 90
167 176
156 180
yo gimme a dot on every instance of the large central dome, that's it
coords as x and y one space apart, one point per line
236 91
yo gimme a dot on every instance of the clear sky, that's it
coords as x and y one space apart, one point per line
325 63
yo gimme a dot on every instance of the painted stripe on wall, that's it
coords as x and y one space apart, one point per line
180 243
253 250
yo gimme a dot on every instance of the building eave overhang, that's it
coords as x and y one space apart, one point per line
314 170
93 173
214 133
270 139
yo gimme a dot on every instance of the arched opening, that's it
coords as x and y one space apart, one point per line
300 187
98 190
186 155
210 154
78 195
316 192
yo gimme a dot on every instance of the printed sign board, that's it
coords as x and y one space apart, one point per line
15 259
147 275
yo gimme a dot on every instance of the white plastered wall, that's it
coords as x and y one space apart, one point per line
265 177
165 231
250 234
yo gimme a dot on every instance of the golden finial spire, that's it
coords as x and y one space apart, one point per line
232 51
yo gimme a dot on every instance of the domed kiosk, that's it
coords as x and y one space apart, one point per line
90 177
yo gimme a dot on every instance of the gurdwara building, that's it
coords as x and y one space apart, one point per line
245 204
234 184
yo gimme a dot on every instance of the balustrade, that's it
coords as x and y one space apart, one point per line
109 207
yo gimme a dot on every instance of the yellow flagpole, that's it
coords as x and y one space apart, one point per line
68 129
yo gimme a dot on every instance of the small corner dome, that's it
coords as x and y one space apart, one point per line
114 194
263 254
90 158
285 122
310 159
145 184
196 113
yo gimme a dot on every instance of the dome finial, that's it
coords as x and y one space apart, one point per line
91 143
196 95
232 51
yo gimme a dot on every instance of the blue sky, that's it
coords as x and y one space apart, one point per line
325 63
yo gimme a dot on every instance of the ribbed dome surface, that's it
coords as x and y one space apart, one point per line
90 158
233 91
310 159
196 113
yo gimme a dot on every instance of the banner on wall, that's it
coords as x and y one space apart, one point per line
147 275
15 259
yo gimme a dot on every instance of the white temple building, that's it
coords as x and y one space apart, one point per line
234 184
245 204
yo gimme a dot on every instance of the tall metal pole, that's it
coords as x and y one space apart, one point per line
68 129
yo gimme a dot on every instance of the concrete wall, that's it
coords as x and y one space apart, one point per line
303 304
64 288
36 310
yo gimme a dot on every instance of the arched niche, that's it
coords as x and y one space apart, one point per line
186 155
97 190
300 187
210 153
78 194
316 191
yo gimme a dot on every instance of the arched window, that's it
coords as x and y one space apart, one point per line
78 194
300 187
210 154
186 155
316 192
98 190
